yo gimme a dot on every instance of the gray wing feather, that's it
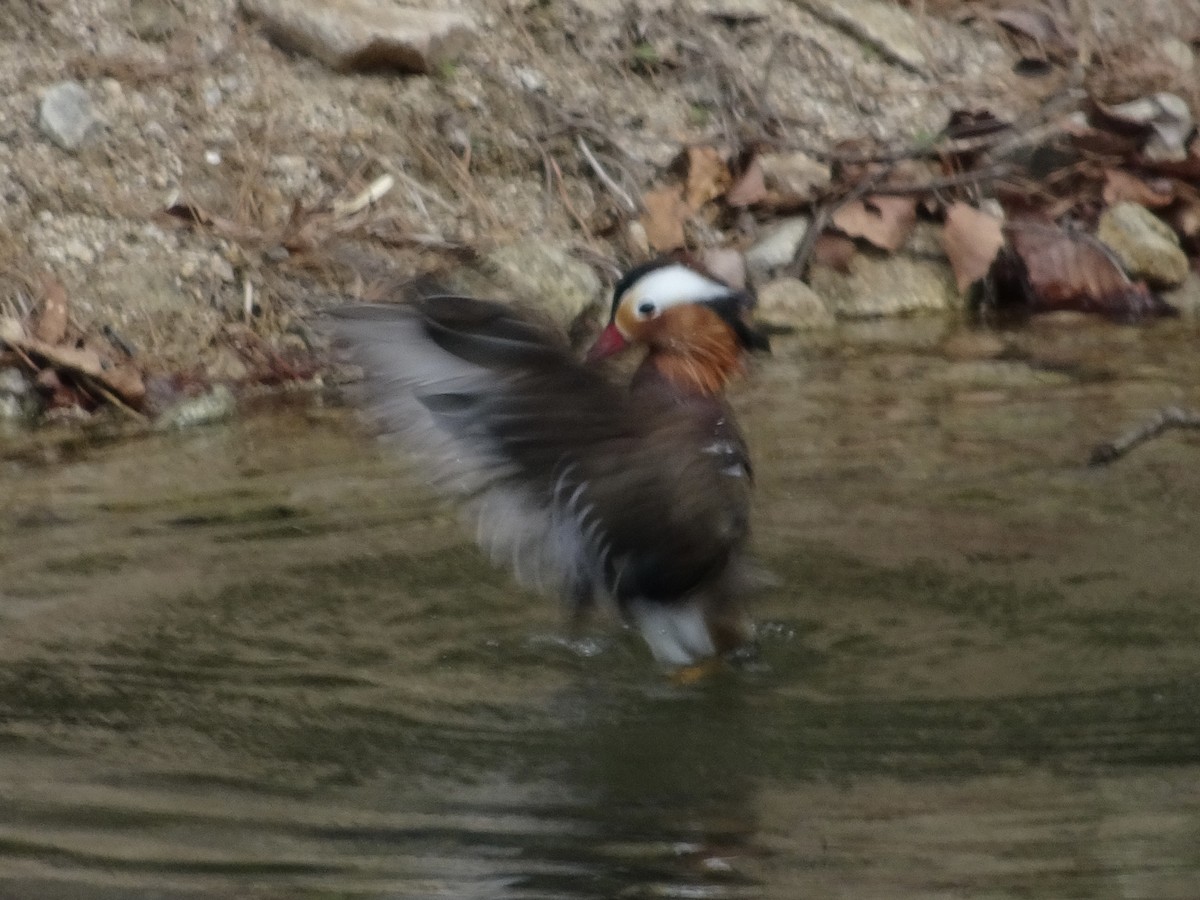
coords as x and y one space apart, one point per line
578 487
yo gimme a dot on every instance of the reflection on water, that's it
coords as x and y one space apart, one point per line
260 661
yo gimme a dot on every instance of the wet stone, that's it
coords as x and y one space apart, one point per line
1145 245
886 286
791 303
216 405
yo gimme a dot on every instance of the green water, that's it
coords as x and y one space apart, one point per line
260 661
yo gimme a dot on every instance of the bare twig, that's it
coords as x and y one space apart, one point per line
615 189
552 164
872 185
1170 417
991 173
116 401
798 267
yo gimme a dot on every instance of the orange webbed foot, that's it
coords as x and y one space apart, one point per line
697 672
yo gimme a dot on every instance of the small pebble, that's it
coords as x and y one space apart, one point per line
66 114
76 249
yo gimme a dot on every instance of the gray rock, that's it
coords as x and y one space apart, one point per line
66 114
12 411
216 405
545 276
530 79
776 247
886 286
355 35
794 174
1170 120
155 20
893 32
1145 245
18 404
1186 297
791 303
1178 53
13 382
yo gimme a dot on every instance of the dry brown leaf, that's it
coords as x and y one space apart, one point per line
750 187
121 379
665 213
707 176
1075 271
1120 186
971 239
51 325
885 221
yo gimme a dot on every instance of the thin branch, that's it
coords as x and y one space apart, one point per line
991 173
1170 417
566 200
615 189
111 397
798 267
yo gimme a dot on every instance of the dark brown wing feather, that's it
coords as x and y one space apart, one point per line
582 486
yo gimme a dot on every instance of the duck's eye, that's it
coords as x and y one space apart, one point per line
645 309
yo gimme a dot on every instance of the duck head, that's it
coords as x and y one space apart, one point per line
694 326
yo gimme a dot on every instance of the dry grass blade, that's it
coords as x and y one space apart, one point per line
369 196
613 188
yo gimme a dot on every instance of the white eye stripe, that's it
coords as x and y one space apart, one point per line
672 285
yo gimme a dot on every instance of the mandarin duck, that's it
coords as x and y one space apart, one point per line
588 489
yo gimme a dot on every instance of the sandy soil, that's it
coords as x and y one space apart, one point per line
195 105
